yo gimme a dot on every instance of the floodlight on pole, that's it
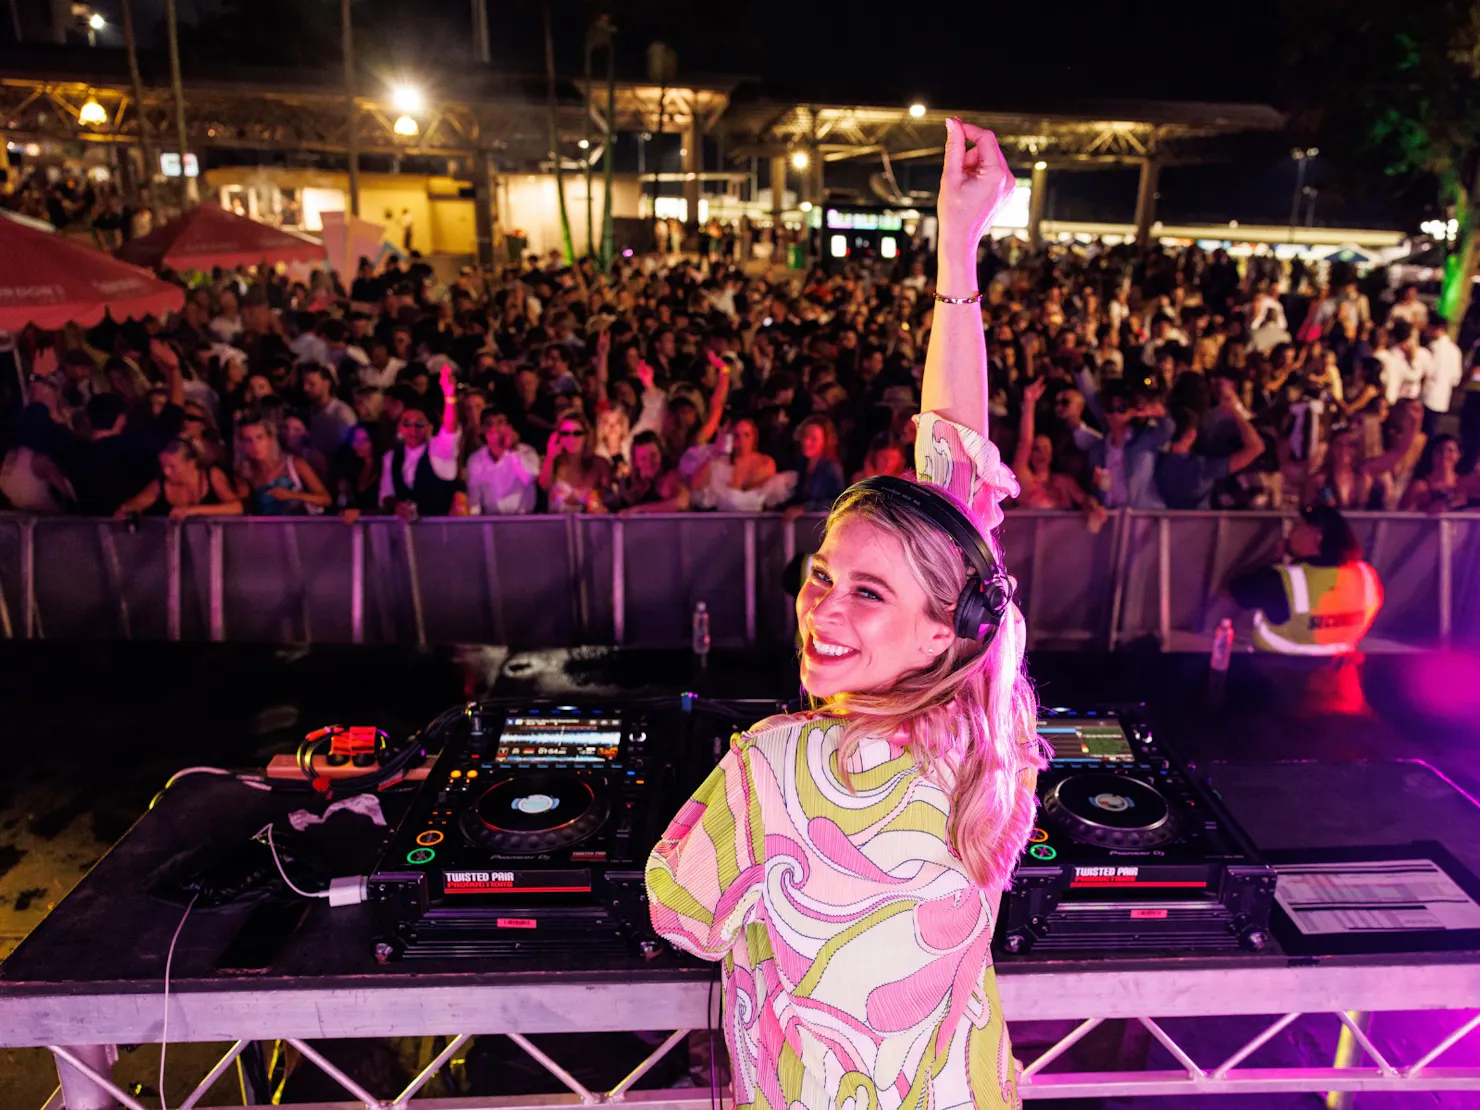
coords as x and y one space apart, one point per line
407 99
800 161
917 110
97 22
405 126
1040 165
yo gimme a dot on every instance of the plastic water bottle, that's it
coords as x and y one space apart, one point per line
701 632
1222 646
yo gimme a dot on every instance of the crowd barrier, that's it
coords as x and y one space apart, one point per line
550 581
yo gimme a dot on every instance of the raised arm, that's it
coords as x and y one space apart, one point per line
973 185
716 412
1027 429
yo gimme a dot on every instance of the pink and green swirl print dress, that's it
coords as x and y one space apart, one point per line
857 961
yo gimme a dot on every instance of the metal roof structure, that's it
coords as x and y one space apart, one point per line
477 108
1089 133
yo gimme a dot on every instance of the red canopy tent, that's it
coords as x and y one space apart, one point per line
210 236
50 280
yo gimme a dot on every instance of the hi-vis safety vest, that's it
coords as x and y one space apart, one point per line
1331 609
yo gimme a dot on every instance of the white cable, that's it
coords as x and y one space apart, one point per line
254 781
164 1033
294 887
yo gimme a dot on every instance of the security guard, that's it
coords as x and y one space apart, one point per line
1321 602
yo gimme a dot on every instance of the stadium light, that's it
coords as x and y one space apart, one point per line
917 110
799 160
406 126
92 113
407 99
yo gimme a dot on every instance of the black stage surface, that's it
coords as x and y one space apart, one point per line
1380 755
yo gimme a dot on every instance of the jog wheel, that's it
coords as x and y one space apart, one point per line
530 814
1113 811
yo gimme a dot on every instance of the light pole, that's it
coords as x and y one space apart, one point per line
1302 155
352 111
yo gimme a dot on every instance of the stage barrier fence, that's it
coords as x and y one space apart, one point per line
558 581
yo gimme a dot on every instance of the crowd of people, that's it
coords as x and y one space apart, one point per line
1159 379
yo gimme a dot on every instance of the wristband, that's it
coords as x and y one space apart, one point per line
973 299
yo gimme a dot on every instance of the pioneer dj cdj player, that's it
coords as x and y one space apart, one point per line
529 836
1130 851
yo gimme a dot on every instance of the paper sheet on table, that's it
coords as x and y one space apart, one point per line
1380 896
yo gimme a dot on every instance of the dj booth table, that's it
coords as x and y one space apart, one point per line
91 976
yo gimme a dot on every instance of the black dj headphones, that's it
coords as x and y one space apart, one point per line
984 601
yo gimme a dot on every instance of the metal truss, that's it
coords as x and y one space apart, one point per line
1348 1073
841 132
223 116
637 107
1359 1066
90 1074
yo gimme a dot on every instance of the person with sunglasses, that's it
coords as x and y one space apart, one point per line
419 475
573 475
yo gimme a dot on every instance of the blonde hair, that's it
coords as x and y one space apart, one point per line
970 715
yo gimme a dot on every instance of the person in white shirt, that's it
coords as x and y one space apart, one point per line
1410 309
1447 371
228 324
1405 365
419 474
502 473
382 368
1267 311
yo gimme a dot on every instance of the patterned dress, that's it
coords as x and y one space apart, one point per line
857 960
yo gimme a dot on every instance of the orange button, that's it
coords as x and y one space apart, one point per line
430 837
472 774
1038 837
455 775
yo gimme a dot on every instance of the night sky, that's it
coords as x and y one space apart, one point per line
950 54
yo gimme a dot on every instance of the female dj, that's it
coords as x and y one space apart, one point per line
846 863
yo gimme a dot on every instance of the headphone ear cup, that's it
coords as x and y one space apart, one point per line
971 611
997 597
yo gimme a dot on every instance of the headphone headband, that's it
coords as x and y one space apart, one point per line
981 607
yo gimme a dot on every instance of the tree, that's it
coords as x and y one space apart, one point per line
1396 87
608 35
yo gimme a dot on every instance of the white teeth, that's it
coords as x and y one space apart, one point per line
829 649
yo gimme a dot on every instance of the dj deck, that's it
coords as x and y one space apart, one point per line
504 892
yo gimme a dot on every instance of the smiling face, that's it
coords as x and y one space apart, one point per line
863 614
415 428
